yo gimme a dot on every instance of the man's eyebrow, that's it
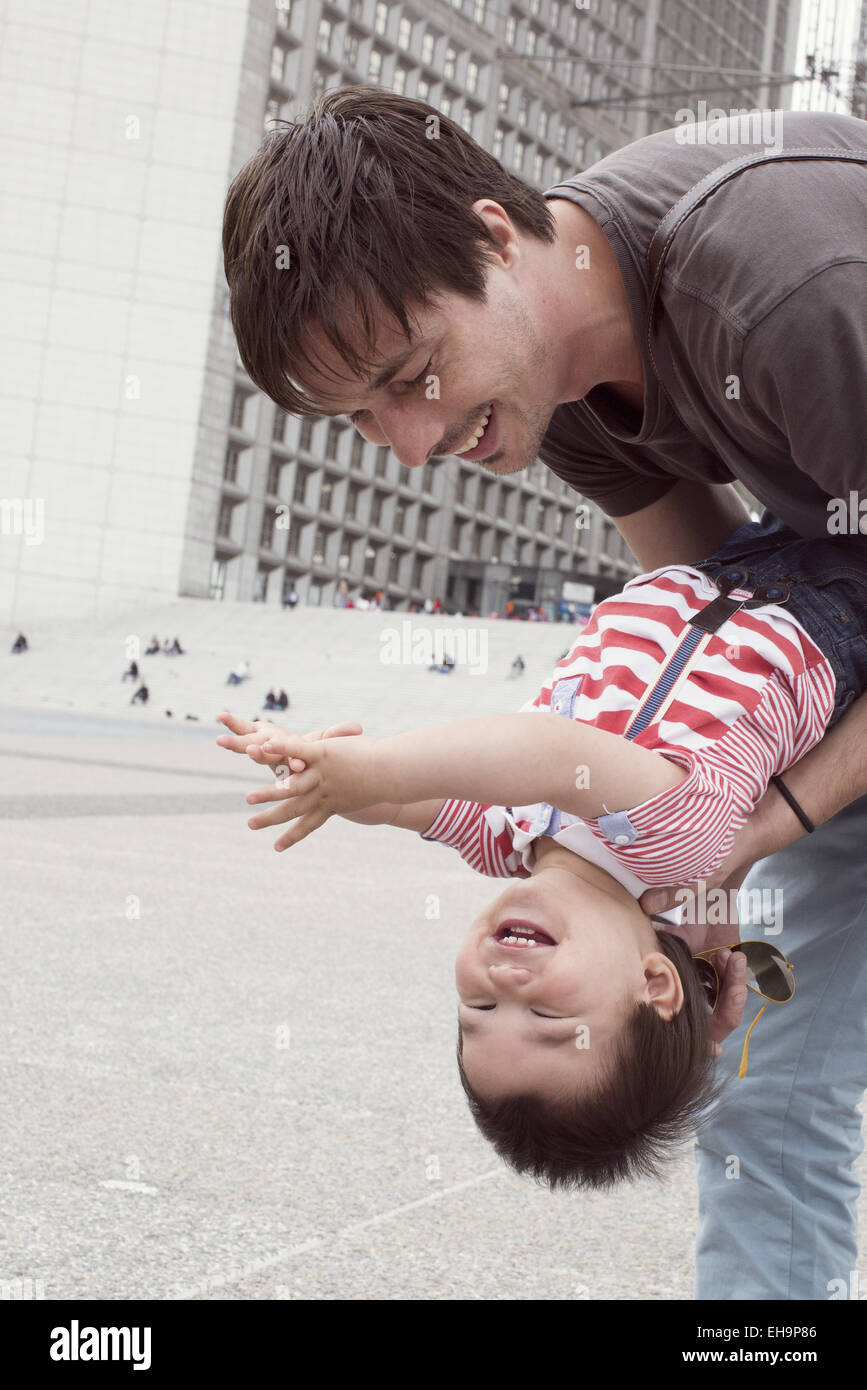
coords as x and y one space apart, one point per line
392 368
468 1029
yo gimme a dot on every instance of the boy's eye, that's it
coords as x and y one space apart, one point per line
492 1006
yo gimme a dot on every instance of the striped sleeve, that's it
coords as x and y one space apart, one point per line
683 833
481 835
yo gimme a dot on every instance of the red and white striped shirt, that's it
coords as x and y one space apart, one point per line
753 701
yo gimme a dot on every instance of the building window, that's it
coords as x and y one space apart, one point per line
381 467
399 522
320 544
532 37
305 435
472 78
467 120
398 83
376 506
350 511
418 569
497 143
404 32
427 48
518 157
543 124
428 474
446 107
278 429
278 62
224 520
538 167
503 99
332 443
357 456
381 18
284 13
296 533
317 82
326 493
523 109
344 559
450 62
370 555
511 29
239 400
266 535
394 567
479 11
555 14
424 517
323 36
230 467
302 478
275 468
356 9
350 50
422 91
455 537
374 65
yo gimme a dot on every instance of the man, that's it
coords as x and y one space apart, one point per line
384 266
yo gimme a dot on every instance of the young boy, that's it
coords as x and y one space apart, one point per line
583 1033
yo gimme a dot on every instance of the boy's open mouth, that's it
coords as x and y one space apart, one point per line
522 935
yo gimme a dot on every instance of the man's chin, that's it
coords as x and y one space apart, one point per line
502 467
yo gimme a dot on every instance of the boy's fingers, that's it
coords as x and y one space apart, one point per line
299 784
300 830
236 724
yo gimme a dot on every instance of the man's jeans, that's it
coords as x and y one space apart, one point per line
775 1158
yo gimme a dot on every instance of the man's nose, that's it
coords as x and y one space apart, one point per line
412 435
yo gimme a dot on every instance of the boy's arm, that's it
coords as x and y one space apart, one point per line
519 759
418 816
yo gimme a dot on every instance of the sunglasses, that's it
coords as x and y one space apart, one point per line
769 974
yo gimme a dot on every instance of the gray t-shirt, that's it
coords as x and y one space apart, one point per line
761 327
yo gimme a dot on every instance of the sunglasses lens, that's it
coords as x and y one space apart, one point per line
767 971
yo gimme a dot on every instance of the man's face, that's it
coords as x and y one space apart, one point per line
463 358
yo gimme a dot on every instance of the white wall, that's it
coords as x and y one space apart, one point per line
116 124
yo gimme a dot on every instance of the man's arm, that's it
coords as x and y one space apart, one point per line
689 523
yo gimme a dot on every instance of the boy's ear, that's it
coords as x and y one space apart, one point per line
663 984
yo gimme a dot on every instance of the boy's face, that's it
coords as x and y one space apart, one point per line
541 1018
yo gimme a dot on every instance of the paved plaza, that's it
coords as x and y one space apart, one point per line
229 1073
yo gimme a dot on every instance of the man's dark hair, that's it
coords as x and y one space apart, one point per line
658 1081
355 210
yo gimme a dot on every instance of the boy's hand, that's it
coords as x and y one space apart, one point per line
303 792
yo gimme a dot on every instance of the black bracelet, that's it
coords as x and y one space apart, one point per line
802 816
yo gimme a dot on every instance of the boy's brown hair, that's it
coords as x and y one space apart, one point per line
353 210
658 1082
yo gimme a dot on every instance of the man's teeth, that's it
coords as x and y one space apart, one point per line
479 431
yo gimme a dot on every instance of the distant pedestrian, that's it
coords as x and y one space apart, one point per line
141 696
240 673
131 673
291 598
283 700
176 648
271 701
20 643
154 647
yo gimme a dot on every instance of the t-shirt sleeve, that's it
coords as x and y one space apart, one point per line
617 489
805 367
681 834
481 836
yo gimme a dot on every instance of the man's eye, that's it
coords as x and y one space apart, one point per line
417 380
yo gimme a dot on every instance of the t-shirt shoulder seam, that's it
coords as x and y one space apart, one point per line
820 270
